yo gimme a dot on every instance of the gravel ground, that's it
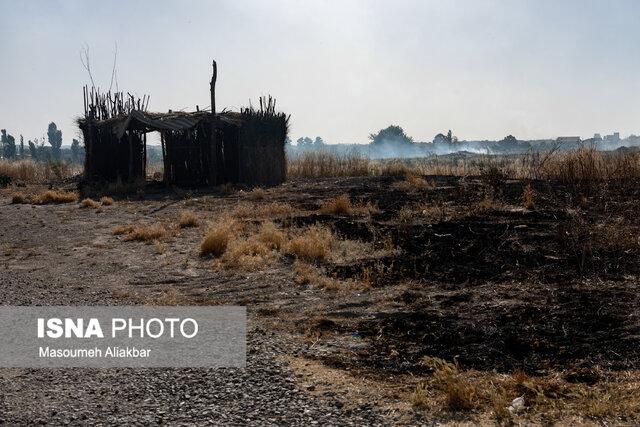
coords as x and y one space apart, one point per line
264 393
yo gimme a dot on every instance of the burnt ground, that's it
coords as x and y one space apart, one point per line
459 270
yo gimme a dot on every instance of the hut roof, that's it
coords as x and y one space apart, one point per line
174 121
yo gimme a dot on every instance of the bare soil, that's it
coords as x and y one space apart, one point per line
459 271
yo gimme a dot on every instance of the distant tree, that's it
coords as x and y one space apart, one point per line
55 140
318 142
449 137
21 147
440 139
287 141
308 141
9 149
509 139
392 134
75 150
33 150
300 142
3 140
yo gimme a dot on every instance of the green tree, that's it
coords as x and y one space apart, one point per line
55 140
392 134
9 151
21 147
33 150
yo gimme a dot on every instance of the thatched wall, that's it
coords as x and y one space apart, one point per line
261 150
109 158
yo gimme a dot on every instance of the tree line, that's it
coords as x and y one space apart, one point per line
36 149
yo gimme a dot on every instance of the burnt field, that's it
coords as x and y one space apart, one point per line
422 296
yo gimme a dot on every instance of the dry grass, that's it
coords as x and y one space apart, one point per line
29 171
412 182
245 254
257 193
217 237
342 205
54 196
271 236
89 203
188 219
529 197
313 244
339 205
146 233
106 201
326 164
306 274
18 198
486 397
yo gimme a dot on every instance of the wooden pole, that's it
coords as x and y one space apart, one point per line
214 77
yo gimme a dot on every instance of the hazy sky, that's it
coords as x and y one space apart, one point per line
342 69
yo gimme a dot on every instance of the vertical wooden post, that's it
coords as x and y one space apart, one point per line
144 159
213 148
214 77
130 156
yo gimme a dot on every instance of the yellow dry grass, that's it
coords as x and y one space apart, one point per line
217 237
141 232
106 201
339 205
327 164
54 196
89 203
188 219
271 236
29 171
313 244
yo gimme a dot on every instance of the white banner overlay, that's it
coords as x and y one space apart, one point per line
131 336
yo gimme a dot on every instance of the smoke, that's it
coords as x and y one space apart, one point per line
402 150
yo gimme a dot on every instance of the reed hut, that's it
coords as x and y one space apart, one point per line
198 148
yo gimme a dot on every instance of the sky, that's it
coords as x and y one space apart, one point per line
341 68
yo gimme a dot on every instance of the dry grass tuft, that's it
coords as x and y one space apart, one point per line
106 201
529 197
143 233
245 254
123 229
89 203
460 393
257 193
54 196
313 244
217 237
18 198
339 205
412 182
188 219
309 275
271 235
